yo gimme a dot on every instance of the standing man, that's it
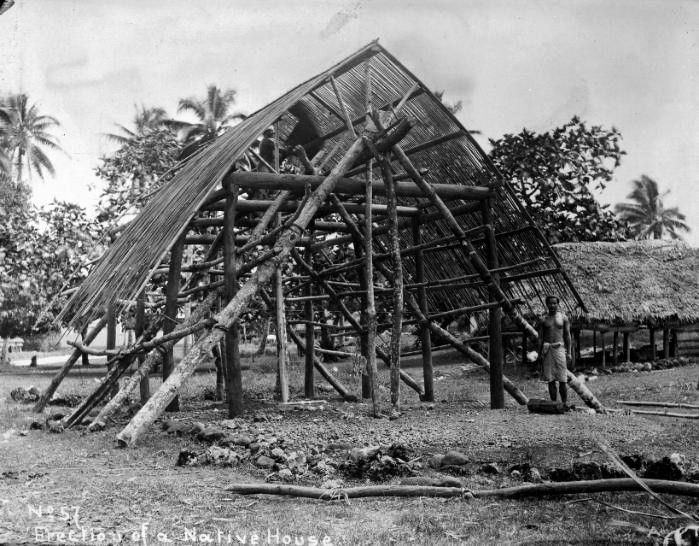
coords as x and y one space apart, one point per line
554 349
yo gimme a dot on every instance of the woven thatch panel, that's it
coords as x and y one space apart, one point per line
643 281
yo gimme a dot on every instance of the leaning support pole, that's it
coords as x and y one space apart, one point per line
261 277
339 387
476 357
425 335
63 372
154 358
231 364
522 491
481 268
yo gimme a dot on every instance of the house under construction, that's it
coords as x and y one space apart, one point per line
385 203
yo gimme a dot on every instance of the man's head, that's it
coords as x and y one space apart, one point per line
269 132
552 304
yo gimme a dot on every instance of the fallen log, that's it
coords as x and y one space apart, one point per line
657 404
658 413
531 490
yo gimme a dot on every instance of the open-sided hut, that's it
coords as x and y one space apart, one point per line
395 209
637 284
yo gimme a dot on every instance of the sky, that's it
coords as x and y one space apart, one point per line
631 64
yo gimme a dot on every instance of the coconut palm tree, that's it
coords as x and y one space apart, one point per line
27 134
213 116
5 163
146 121
647 216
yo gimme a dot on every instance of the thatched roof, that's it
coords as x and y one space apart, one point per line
640 281
437 143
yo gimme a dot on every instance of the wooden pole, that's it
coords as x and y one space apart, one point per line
297 183
372 371
666 342
521 491
653 353
497 393
615 348
170 314
152 360
261 277
397 266
407 379
111 340
578 347
363 335
309 352
594 346
626 347
63 372
425 335
233 374
471 253
604 349
140 327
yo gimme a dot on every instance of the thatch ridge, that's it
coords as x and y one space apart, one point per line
647 282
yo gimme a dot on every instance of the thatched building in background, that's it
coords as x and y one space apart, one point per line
637 284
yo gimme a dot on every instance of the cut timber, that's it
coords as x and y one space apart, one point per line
261 277
522 491
153 359
63 372
296 183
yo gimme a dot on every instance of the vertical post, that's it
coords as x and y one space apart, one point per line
144 385
280 315
578 347
497 389
364 335
615 348
111 340
233 375
573 351
368 253
666 342
653 353
604 349
170 318
310 335
397 326
594 346
524 350
674 343
425 334
626 347
85 358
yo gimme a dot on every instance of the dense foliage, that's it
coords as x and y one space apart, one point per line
553 173
42 251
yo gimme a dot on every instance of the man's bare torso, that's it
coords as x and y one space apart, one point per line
552 327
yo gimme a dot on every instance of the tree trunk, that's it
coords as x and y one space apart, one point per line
265 334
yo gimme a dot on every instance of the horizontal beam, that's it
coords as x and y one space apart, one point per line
297 183
291 206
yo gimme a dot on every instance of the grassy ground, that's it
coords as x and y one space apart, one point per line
118 490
